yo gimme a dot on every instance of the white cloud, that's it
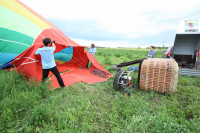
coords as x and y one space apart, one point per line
115 44
110 44
132 18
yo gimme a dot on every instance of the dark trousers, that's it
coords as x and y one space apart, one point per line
88 64
55 71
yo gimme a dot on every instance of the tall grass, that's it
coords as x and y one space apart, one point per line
17 98
97 107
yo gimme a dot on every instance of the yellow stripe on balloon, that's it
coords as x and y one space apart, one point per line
19 9
59 62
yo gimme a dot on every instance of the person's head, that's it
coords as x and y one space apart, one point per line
92 45
152 48
46 41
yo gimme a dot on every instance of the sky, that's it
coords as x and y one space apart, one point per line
118 23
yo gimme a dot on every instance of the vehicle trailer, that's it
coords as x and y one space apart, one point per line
186 47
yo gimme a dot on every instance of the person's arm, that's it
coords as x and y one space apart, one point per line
154 53
95 51
148 54
53 44
37 52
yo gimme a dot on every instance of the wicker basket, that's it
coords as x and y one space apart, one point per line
159 74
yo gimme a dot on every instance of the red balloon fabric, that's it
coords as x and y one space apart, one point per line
30 65
23 32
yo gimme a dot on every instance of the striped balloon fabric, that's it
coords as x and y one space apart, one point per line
21 33
19 28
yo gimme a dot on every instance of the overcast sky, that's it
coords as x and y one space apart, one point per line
130 23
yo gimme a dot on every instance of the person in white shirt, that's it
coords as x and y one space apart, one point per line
48 61
92 49
152 52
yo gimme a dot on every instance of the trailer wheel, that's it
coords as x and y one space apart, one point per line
121 81
116 85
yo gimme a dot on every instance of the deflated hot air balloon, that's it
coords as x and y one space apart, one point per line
21 34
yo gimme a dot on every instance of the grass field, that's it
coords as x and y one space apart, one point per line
98 107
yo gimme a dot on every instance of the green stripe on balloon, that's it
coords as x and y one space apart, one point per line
13 21
12 47
15 37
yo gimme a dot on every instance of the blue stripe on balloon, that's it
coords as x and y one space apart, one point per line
64 55
6 57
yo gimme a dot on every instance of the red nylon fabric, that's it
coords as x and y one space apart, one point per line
198 54
79 75
30 65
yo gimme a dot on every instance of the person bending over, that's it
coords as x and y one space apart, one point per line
48 61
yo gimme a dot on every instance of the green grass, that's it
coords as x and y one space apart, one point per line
98 107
